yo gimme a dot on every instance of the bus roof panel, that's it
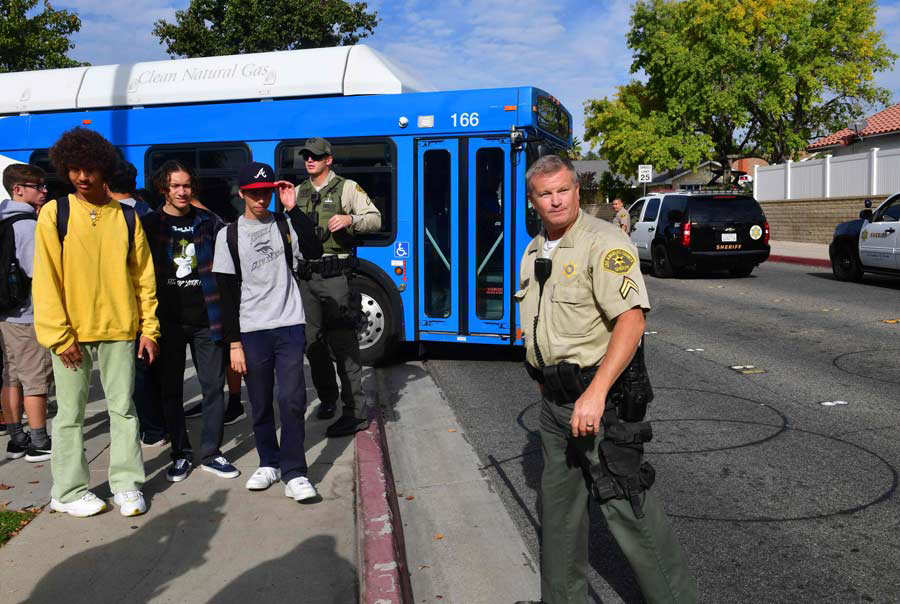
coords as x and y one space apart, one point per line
342 70
46 90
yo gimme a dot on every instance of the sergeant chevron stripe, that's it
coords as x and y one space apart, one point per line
628 285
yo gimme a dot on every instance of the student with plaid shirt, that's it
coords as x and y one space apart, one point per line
182 240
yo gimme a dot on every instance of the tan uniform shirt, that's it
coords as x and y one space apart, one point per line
596 277
622 219
356 203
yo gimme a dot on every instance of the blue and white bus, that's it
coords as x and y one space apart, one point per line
445 168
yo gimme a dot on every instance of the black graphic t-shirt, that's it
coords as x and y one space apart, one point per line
182 300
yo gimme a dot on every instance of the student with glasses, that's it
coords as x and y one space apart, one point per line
27 371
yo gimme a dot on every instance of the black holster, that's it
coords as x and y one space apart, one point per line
621 472
632 392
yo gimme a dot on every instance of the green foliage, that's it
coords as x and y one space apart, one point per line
40 41
634 128
574 152
11 522
221 27
751 78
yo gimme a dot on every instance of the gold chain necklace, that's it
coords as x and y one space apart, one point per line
94 211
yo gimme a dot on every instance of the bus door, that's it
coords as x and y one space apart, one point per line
437 227
486 275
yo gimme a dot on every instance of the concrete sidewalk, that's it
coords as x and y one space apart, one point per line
205 539
795 252
461 544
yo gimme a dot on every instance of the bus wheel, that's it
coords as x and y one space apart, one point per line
376 334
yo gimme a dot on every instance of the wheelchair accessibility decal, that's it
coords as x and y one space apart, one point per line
401 249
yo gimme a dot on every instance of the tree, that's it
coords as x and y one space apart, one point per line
221 27
635 128
612 186
751 78
574 152
40 41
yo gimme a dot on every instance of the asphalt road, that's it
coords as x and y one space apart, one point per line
775 496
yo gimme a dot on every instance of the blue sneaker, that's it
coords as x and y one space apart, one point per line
220 467
179 470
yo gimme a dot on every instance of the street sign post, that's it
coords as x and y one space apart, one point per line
645 175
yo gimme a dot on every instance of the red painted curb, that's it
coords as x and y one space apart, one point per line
383 573
801 260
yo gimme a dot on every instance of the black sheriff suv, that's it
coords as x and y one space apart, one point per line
705 230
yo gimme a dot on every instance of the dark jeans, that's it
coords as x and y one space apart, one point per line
147 399
209 361
277 354
328 306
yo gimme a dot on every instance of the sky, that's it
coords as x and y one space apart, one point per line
574 49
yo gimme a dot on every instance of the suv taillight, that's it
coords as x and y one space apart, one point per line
686 235
766 232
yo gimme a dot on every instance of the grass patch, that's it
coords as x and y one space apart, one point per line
11 522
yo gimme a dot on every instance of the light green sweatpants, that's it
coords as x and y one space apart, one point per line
68 462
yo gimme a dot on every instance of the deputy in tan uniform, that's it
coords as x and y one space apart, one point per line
342 210
582 303
621 219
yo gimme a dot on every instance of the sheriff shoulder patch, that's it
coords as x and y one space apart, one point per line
628 286
359 189
618 261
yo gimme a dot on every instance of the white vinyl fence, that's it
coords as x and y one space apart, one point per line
862 174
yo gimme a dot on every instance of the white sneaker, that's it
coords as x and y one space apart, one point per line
88 505
263 478
131 503
299 489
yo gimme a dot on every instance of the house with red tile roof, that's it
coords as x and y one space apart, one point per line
882 131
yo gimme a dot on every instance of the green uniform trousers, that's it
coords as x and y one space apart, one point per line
68 463
329 315
648 542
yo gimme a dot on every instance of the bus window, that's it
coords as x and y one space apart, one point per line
489 166
215 168
371 163
438 255
56 186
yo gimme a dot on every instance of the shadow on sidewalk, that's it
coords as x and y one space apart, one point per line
141 566
311 572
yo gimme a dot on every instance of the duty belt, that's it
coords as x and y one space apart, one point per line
563 383
327 266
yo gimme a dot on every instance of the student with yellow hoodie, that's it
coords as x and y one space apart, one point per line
94 290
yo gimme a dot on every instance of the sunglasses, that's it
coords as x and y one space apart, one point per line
308 156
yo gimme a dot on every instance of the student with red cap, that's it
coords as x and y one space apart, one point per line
263 324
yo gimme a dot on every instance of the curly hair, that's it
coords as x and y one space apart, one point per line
123 180
83 148
161 178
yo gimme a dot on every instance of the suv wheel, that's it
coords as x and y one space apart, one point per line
741 271
845 264
662 266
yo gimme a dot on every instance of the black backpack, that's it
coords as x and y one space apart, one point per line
15 286
62 220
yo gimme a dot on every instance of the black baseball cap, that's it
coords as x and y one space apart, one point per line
316 146
256 175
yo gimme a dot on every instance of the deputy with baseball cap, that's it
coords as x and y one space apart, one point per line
341 210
